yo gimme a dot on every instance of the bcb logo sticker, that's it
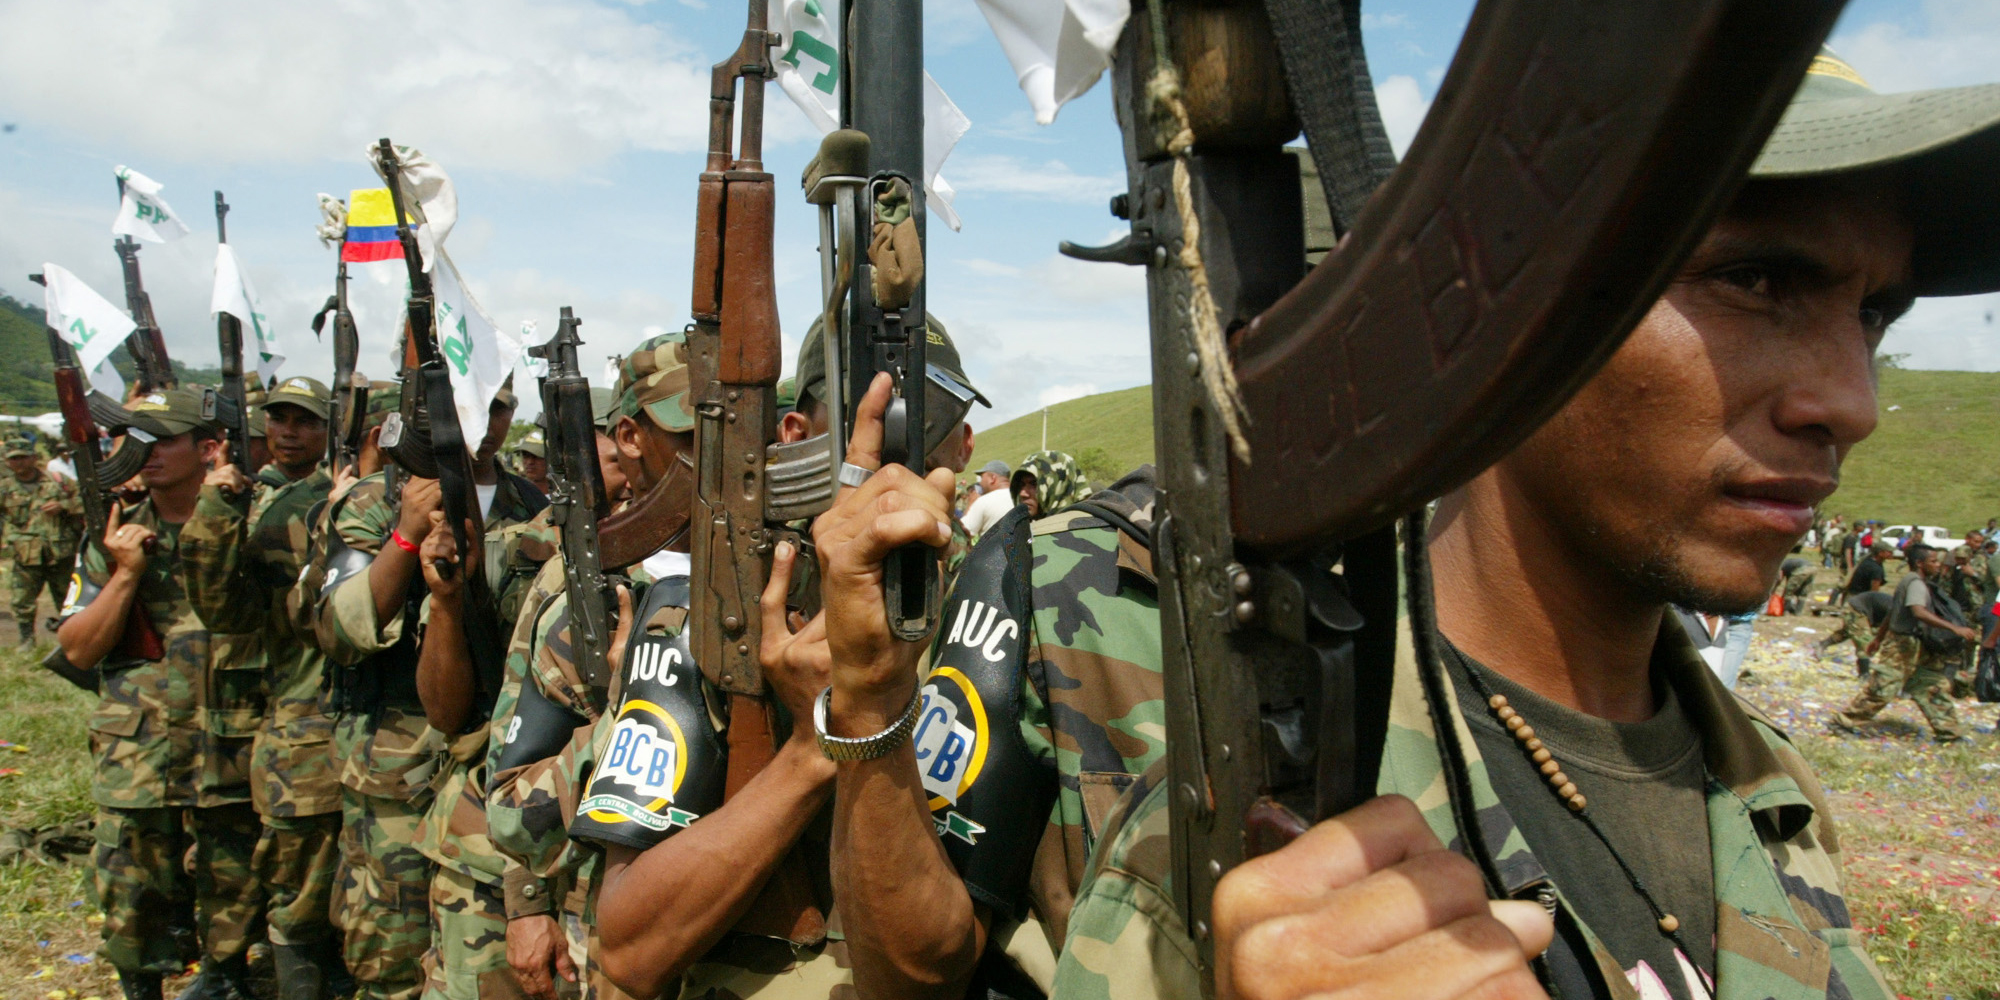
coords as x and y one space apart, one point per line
647 755
950 740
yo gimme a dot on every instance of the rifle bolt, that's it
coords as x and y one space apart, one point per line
1245 611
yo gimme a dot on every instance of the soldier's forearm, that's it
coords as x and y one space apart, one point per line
444 670
92 633
389 578
665 908
912 929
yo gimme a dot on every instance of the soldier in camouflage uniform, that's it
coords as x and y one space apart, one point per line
244 552
43 519
365 611
1649 834
1048 481
1906 666
167 775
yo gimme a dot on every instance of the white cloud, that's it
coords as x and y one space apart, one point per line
1051 180
1376 22
1954 47
1403 107
531 88
1079 281
1064 393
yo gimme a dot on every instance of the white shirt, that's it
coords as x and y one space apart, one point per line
663 564
485 498
987 511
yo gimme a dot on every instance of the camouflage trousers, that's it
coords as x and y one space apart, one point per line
297 857
1853 628
28 582
141 882
1906 668
468 956
381 900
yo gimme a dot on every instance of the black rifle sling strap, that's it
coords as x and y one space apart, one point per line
1326 68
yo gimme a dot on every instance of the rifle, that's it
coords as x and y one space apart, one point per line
350 395
233 410
96 477
450 459
1542 211
887 104
734 364
146 344
579 502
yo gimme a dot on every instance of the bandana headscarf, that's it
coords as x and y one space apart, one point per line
1059 481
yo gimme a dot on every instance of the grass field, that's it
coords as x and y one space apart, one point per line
1919 825
1934 457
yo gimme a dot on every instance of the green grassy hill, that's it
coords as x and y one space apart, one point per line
1935 459
27 386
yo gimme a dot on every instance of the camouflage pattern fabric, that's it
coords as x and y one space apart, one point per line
241 569
138 881
1094 702
381 899
297 859
654 379
1854 627
522 549
31 536
27 583
468 956
1905 667
1059 480
1783 928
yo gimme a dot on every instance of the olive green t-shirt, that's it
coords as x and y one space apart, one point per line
1646 785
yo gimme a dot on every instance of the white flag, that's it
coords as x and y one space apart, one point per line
470 342
808 61
105 379
86 319
234 295
527 364
142 213
428 197
1058 47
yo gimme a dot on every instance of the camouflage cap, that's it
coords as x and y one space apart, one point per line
654 378
533 444
308 394
603 407
19 448
170 413
384 398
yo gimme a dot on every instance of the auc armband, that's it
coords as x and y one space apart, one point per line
664 765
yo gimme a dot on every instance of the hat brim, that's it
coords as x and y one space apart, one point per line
1941 149
318 408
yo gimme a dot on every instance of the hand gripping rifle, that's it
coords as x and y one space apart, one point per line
735 360
579 502
1574 155
449 457
233 410
83 410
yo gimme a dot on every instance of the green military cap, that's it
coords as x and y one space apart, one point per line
384 398
19 448
308 394
254 423
787 393
603 407
654 378
533 444
505 397
940 353
170 413
1939 148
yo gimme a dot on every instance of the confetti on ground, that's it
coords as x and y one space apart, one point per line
16 747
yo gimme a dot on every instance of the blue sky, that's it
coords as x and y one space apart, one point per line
574 131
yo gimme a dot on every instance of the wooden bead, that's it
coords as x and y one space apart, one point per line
1541 756
1534 745
1558 779
1550 768
1524 734
1669 923
1576 803
1498 702
1566 790
1514 722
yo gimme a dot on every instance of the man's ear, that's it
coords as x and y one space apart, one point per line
626 433
794 427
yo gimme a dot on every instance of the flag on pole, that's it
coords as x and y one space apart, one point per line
429 199
105 379
808 62
142 213
371 227
234 295
1058 47
85 319
332 226
472 348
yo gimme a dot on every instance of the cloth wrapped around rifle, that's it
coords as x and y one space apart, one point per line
895 253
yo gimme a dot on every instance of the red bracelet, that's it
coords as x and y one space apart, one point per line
396 535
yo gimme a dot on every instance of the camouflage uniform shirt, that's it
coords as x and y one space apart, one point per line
33 536
241 569
152 732
1782 925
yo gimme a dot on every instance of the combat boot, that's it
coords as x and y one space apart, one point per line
225 980
139 985
28 632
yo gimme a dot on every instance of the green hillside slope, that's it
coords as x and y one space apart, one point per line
1935 459
26 384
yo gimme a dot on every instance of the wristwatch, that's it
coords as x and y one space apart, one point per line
841 748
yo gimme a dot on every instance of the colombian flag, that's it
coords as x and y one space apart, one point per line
371 227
